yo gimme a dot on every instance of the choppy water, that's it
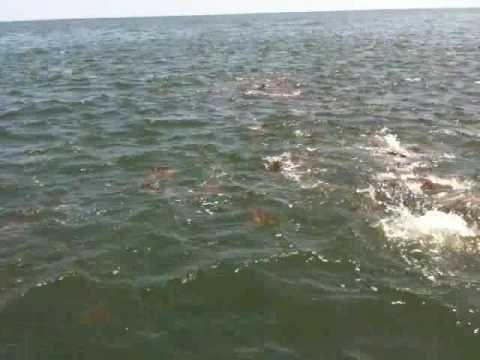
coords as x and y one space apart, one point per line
241 187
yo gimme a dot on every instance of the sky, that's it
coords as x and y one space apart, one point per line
61 9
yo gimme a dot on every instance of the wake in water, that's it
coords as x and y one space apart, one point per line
421 211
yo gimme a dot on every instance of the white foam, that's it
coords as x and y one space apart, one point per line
406 165
370 191
448 156
414 186
298 133
435 225
393 143
294 93
448 132
389 144
386 176
253 92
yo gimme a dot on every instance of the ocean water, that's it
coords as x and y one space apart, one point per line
295 186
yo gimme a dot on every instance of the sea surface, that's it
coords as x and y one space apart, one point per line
290 186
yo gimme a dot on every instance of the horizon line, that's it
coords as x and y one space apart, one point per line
240 14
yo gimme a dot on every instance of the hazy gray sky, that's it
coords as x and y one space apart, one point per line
52 9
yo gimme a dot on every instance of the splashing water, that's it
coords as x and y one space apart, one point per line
411 214
435 225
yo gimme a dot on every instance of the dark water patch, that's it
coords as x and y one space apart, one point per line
288 316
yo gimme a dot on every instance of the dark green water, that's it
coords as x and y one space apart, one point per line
339 250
